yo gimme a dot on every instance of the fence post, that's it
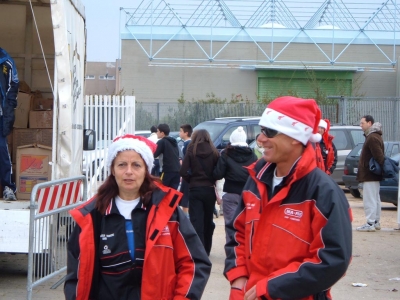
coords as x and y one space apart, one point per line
396 119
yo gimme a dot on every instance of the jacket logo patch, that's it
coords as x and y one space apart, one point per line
5 70
165 231
106 250
105 236
250 205
293 214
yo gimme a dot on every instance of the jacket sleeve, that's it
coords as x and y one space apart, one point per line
220 169
235 262
333 166
185 167
376 150
192 264
329 252
160 148
73 253
13 81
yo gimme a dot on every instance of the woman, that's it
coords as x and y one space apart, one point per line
131 241
197 168
258 148
231 166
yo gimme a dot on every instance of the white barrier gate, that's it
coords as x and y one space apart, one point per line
109 116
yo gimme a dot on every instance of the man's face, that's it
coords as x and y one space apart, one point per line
321 130
365 125
160 134
182 134
277 149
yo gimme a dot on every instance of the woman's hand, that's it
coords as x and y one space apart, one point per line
251 294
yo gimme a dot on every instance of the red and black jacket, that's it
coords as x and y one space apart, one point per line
294 242
170 261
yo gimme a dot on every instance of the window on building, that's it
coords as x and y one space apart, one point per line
103 77
90 77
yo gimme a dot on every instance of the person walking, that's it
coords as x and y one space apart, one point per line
326 150
155 171
231 166
197 169
9 84
168 154
131 241
185 133
292 235
373 147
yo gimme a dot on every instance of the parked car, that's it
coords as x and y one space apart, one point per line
220 129
145 133
389 187
392 149
94 158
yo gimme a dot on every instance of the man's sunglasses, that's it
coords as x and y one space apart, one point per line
269 133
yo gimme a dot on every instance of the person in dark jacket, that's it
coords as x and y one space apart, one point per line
197 169
230 166
8 102
168 155
131 241
185 133
373 147
292 228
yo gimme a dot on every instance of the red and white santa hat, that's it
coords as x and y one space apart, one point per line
294 117
140 144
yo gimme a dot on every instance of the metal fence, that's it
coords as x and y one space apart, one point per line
340 110
50 226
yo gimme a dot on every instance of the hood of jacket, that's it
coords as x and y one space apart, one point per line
376 127
240 154
203 150
171 140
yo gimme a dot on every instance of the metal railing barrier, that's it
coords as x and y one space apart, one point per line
50 226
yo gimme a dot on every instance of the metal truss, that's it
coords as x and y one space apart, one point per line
266 23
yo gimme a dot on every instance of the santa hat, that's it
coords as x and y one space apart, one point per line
323 124
238 137
140 144
294 117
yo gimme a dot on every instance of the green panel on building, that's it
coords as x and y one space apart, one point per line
303 83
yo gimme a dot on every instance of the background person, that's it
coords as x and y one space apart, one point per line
197 169
258 149
292 229
326 148
185 132
131 241
231 166
155 171
168 154
373 147
8 102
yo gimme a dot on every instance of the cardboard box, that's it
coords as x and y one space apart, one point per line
41 119
32 168
30 136
22 110
42 104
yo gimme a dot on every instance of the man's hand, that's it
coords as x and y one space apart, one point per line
239 283
251 294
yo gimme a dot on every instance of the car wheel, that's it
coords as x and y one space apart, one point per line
355 193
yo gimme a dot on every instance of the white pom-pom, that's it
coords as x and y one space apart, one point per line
315 138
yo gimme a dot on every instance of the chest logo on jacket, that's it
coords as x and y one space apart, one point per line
293 214
106 250
250 205
104 237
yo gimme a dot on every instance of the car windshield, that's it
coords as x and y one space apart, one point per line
214 129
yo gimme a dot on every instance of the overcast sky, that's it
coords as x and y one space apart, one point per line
102 23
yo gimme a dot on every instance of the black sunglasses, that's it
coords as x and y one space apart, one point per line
269 133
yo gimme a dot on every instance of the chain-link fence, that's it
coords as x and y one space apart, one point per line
341 110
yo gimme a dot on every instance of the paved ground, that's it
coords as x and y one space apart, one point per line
376 260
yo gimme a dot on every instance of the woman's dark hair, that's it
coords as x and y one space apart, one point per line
202 136
109 190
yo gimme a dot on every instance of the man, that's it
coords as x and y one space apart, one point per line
8 98
291 233
373 147
326 150
185 132
167 147
153 137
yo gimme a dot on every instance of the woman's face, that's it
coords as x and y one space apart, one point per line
129 170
